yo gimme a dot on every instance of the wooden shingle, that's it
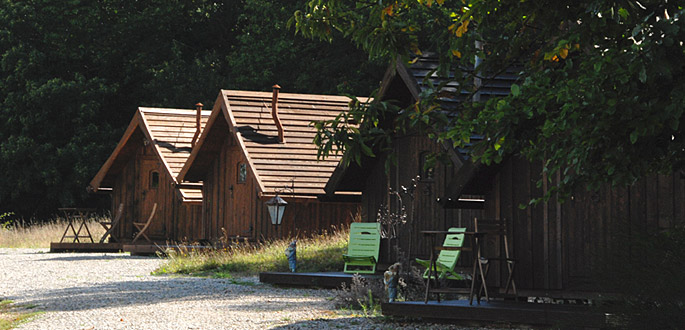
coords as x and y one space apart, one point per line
276 164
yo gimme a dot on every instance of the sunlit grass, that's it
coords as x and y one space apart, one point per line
39 234
12 315
319 253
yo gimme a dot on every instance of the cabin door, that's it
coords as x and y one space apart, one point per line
150 194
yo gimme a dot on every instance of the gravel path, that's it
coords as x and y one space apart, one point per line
116 291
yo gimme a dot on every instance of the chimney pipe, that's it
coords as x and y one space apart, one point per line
198 118
274 114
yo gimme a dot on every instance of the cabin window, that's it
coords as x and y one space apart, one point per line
154 180
426 165
242 172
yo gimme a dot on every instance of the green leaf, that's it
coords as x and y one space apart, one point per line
643 75
366 150
499 143
623 13
633 137
515 90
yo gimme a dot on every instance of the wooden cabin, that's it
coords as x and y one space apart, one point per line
257 145
556 244
143 169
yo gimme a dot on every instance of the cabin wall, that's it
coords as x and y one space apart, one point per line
557 244
173 221
423 212
305 217
227 210
232 209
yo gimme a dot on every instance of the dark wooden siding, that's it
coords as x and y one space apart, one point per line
557 244
235 209
174 220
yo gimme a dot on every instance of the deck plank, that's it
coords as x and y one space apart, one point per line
329 280
499 311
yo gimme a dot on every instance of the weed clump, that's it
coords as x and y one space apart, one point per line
363 294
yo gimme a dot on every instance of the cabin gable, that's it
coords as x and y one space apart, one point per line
142 172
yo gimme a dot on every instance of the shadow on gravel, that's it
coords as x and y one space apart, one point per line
383 323
339 323
165 289
81 257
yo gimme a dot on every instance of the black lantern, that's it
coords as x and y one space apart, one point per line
276 207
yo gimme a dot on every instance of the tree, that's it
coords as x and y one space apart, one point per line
73 72
599 96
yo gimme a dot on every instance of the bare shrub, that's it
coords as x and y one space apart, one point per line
362 294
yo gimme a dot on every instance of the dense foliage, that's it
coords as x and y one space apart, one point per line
73 72
599 96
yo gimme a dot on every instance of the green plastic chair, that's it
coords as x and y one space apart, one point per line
363 248
447 259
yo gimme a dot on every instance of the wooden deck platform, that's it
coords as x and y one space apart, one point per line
134 249
500 311
328 280
85 247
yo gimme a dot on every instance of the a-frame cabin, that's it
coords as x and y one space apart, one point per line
142 171
257 145
557 245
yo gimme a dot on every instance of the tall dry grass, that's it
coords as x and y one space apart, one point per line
319 253
39 234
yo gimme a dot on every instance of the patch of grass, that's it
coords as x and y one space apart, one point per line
314 254
39 234
12 315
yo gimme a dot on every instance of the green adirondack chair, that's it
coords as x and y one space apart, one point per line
447 259
363 248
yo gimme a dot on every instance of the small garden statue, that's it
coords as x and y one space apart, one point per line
291 253
391 278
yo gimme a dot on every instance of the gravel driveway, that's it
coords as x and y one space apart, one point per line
116 291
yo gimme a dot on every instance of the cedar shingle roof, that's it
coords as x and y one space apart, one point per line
275 164
171 131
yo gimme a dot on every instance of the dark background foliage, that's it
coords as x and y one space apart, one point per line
72 73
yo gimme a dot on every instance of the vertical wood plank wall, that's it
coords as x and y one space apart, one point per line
174 219
423 211
555 243
233 209
558 243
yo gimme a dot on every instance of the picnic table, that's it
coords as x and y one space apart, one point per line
77 216
477 273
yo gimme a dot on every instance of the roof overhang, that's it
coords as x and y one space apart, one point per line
220 125
135 132
209 143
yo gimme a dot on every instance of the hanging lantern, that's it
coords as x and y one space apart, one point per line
276 207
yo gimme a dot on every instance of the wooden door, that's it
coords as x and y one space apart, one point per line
150 194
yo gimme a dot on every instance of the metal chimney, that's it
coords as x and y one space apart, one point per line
198 124
274 114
